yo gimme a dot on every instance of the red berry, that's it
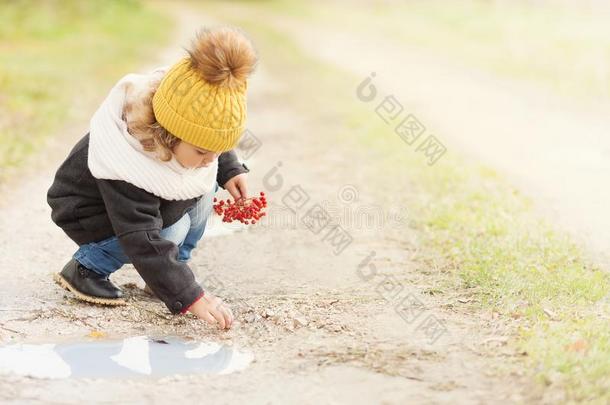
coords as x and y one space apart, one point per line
245 210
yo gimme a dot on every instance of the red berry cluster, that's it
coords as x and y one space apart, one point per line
245 210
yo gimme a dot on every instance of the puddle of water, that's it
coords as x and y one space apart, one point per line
138 356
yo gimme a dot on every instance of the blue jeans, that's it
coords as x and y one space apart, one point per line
107 256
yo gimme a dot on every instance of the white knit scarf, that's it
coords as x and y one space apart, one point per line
114 154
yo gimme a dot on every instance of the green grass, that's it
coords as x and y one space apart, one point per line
478 224
518 265
55 56
523 269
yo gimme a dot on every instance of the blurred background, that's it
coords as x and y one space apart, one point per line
521 85
485 121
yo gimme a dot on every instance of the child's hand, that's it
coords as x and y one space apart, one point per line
236 186
213 310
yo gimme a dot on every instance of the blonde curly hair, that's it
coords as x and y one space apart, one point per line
142 124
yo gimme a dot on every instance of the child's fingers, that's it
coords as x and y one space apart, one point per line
233 190
243 188
219 317
208 318
228 316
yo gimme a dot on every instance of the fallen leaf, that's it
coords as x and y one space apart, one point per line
97 334
579 345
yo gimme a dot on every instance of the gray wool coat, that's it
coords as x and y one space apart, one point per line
88 210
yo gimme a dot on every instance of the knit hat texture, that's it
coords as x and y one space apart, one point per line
202 98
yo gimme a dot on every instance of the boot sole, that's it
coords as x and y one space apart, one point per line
83 297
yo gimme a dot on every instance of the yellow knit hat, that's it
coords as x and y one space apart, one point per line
202 98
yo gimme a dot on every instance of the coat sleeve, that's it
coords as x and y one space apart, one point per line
229 167
136 220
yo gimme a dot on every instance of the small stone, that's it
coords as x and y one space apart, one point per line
552 315
299 321
250 317
333 328
268 313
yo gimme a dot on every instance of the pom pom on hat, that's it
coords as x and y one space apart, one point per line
223 56
202 98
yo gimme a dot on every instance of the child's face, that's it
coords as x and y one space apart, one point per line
191 156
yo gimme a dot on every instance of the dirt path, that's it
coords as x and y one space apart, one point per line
316 321
554 149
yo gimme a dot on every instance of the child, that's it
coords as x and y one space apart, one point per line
138 188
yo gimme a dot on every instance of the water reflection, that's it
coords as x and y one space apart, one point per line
131 357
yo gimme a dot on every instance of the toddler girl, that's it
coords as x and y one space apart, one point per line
138 187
